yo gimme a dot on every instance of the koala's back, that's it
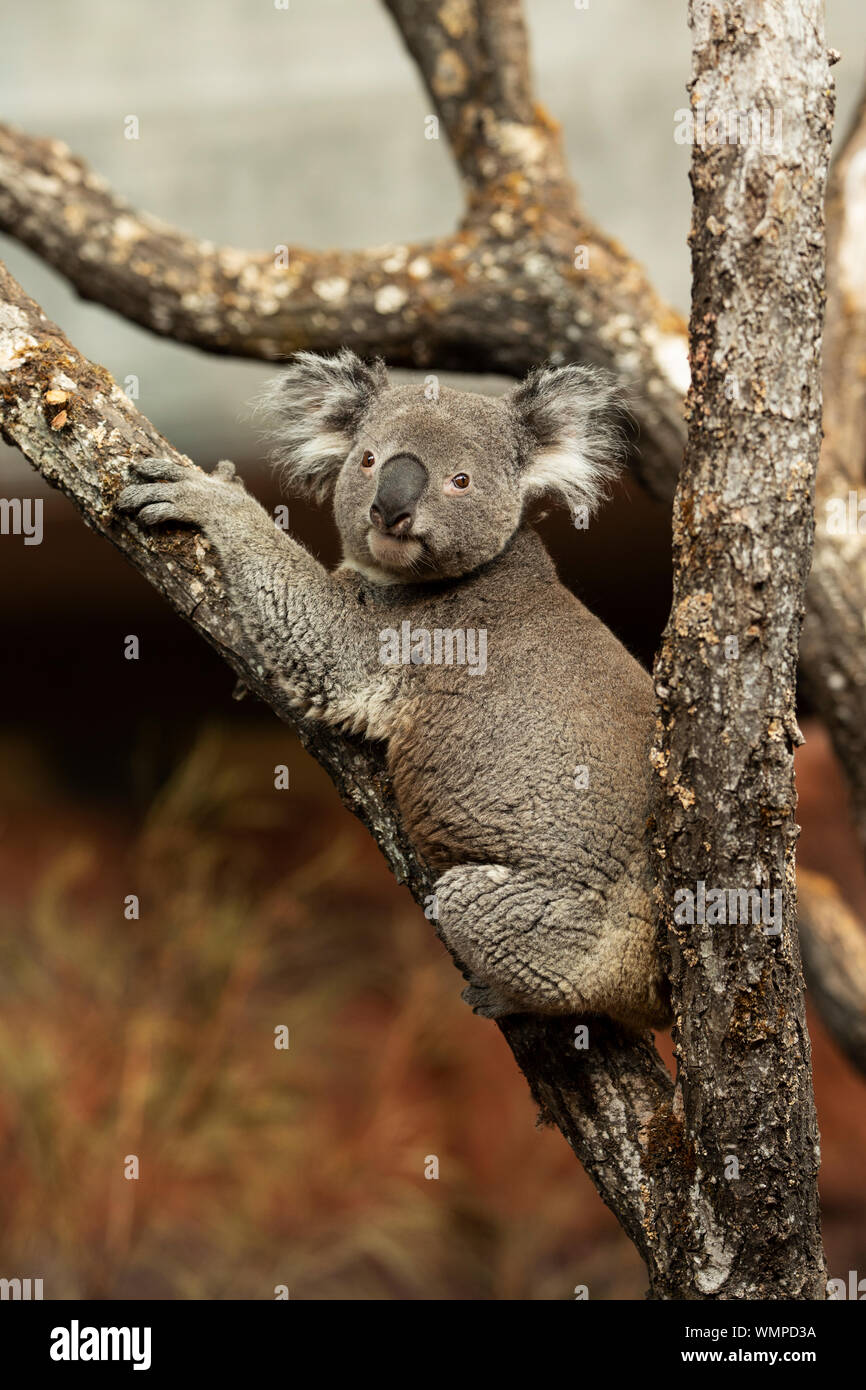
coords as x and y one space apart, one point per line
541 760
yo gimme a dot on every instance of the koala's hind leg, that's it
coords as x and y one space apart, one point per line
547 947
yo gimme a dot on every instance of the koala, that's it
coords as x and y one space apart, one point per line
516 726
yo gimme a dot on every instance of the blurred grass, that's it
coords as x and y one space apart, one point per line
305 1167
155 1037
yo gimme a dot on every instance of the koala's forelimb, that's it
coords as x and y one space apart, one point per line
294 616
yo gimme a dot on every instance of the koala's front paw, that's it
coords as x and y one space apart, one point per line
175 492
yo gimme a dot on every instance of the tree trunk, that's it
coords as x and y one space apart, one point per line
746 1225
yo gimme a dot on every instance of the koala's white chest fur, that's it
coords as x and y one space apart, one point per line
376 711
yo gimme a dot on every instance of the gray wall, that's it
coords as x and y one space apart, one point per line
261 126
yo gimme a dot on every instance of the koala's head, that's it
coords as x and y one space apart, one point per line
433 483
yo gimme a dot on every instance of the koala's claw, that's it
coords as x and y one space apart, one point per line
155 512
160 468
488 1002
154 502
176 492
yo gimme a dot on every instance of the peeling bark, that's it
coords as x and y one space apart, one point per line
724 797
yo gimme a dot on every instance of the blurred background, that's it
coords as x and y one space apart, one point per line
155 1037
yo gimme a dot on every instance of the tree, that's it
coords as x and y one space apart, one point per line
507 290
726 668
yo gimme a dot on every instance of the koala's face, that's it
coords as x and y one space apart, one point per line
430 487
431 484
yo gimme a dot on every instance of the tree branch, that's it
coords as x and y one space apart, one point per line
249 304
526 278
474 59
724 794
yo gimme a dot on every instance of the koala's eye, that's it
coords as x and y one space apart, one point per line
367 459
459 483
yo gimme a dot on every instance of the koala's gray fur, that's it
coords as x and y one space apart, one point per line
524 784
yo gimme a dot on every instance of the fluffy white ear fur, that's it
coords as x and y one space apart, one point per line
312 413
573 422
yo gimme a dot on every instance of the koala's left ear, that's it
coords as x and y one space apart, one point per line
313 412
572 419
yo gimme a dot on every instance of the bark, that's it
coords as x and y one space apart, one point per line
474 59
606 1100
724 796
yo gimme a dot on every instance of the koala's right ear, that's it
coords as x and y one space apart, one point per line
313 411
572 419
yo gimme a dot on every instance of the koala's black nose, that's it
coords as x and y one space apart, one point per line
401 484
